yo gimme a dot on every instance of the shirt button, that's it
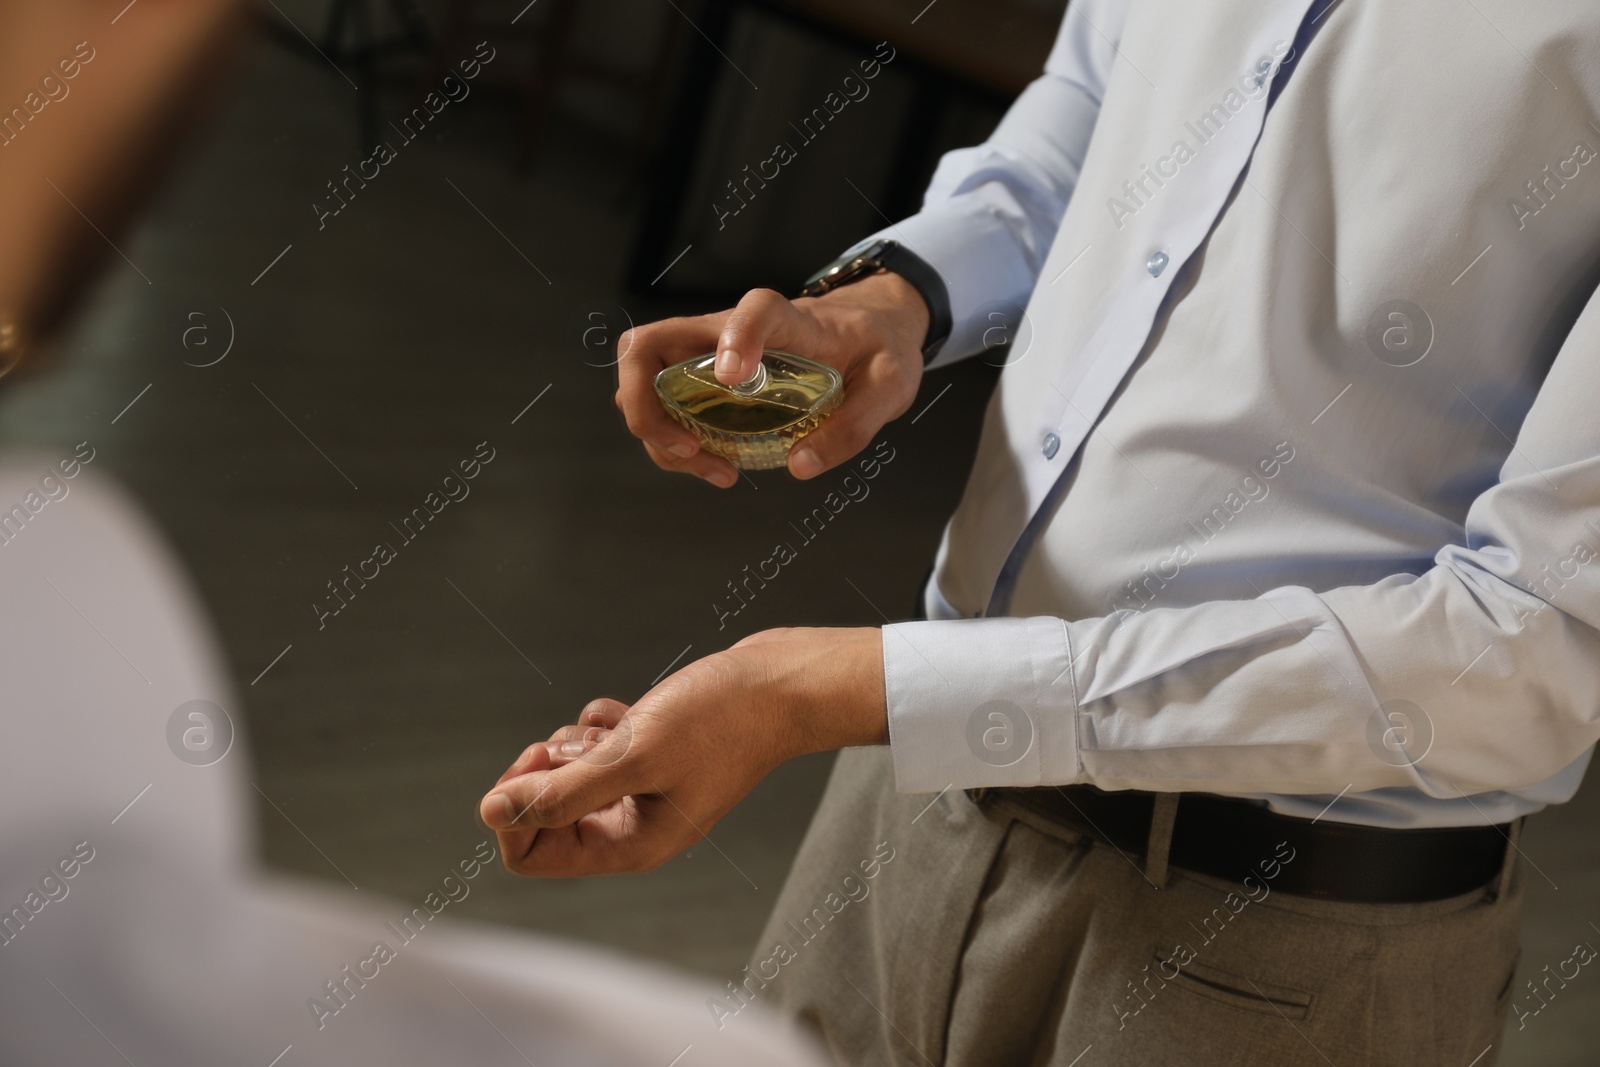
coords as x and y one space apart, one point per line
1052 445
1156 264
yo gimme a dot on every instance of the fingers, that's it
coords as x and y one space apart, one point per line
603 712
881 391
601 736
559 787
633 835
546 799
589 847
535 757
570 743
592 744
641 354
580 833
597 717
703 465
763 319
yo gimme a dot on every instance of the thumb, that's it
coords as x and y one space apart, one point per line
760 317
544 799
872 400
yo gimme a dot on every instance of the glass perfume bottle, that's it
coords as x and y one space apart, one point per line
752 424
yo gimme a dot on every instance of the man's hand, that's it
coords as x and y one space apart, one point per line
628 788
871 331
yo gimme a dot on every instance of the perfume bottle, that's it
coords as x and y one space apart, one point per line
752 424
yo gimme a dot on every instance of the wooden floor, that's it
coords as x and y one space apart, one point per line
371 357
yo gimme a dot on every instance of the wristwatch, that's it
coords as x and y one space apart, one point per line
892 256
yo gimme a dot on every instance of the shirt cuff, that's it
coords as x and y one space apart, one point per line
980 702
978 258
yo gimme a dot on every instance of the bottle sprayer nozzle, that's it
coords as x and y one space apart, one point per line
753 384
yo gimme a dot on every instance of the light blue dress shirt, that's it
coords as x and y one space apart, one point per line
1290 488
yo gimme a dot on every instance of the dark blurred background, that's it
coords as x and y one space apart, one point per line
470 293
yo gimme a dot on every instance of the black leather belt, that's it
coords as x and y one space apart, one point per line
1229 838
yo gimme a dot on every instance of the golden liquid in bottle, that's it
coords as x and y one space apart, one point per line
752 425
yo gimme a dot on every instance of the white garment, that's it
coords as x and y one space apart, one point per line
165 946
1292 481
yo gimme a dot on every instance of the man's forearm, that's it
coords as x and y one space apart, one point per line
830 686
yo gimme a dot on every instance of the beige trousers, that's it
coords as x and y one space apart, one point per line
948 932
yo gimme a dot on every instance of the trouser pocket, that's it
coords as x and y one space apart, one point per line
1239 991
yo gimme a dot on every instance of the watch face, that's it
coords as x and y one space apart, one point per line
845 271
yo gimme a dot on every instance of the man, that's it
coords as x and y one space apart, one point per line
1275 558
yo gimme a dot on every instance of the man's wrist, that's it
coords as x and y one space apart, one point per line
904 303
880 256
893 307
828 684
852 709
